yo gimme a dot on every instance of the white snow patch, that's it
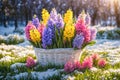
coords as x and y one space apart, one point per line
38 75
7 30
14 66
21 75
6 58
94 69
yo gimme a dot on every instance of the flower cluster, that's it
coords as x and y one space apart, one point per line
35 35
87 63
45 16
55 31
69 32
47 37
30 62
68 17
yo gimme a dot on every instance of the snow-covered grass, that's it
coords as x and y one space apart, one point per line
11 39
13 61
108 33
13 66
11 30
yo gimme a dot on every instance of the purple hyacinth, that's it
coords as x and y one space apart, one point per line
51 25
59 22
78 41
36 22
46 37
93 33
53 14
88 19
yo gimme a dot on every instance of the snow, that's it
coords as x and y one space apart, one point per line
7 59
104 44
112 47
38 75
114 70
14 66
19 76
94 69
8 30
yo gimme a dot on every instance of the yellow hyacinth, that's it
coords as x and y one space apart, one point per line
68 16
35 35
69 32
45 16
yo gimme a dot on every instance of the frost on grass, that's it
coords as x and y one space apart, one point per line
20 76
110 47
38 75
16 65
7 59
94 69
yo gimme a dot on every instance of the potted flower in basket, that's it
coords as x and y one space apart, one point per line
58 39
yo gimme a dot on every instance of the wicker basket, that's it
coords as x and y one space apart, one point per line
57 56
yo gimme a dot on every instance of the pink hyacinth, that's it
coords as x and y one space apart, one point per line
81 28
101 62
78 65
69 67
87 63
95 56
41 28
27 30
87 35
30 62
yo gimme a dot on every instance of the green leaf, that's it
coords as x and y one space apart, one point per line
91 43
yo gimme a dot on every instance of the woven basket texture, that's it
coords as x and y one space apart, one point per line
57 56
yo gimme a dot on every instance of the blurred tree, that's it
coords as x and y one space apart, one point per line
117 12
101 11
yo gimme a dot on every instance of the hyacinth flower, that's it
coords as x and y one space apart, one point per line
82 15
87 19
95 58
36 21
51 25
35 37
101 62
53 14
40 29
45 16
87 63
81 28
46 37
78 65
69 32
52 21
93 33
78 41
87 35
69 67
30 62
28 28
68 17
59 22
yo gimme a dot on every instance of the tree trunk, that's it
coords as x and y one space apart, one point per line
117 20
16 22
26 15
5 21
94 18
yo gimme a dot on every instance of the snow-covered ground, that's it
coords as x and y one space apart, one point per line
13 52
